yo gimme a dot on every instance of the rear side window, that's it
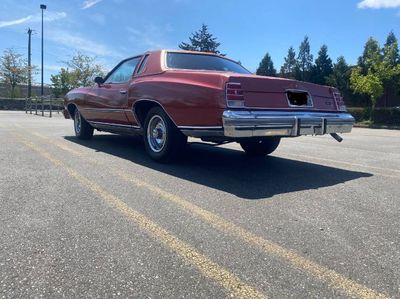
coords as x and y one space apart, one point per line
142 67
190 61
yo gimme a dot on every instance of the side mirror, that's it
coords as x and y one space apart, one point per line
99 80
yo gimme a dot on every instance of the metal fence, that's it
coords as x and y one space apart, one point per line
44 104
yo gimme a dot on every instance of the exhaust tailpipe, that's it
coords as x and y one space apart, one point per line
337 137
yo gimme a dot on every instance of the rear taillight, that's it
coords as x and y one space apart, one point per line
340 106
234 95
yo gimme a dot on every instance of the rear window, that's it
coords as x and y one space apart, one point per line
190 61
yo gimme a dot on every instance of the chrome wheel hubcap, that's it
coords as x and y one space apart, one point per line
156 133
78 122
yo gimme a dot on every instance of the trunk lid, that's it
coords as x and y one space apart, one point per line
278 93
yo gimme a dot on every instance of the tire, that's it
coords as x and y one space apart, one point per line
163 140
83 130
260 147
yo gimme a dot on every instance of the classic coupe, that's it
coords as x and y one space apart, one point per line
168 95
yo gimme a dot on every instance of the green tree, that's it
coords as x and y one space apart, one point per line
202 40
369 84
266 67
378 69
83 69
13 69
288 68
388 69
380 64
61 83
371 56
391 49
340 76
323 67
304 61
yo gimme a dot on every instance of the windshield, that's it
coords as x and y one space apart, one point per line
191 61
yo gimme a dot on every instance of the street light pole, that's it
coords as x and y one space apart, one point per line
42 7
29 97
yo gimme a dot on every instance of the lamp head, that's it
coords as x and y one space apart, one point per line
42 6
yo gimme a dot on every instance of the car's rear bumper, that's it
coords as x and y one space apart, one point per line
241 124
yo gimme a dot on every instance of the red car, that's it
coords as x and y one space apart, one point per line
167 96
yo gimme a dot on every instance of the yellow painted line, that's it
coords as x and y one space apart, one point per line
332 278
208 268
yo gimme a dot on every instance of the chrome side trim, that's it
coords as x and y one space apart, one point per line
106 109
199 127
202 131
242 124
94 123
199 133
116 128
300 109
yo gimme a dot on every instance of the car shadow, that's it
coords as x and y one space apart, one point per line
228 170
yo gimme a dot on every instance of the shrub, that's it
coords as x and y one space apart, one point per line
381 116
359 113
386 116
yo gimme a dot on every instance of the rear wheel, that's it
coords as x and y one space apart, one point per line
162 138
83 130
260 147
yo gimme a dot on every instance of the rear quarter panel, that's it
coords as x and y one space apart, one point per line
189 98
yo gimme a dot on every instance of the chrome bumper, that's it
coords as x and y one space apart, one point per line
239 124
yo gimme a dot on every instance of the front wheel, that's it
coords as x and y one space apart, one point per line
162 138
83 130
260 147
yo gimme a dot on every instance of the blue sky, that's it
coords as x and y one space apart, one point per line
114 29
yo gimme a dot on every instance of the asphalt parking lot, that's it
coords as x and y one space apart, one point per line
317 219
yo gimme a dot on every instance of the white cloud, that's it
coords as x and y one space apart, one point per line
376 4
143 38
14 22
89 3
151 37
80 43
48 17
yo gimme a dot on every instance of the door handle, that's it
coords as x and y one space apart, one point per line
122 91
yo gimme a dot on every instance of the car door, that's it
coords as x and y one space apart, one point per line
111 100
